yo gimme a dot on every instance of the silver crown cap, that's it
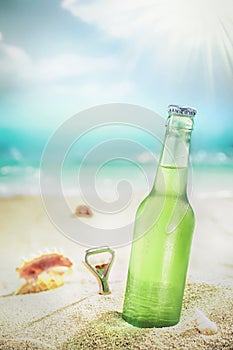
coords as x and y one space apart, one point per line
181 110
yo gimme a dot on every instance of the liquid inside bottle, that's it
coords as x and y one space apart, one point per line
162 240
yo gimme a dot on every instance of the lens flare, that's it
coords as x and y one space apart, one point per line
194 33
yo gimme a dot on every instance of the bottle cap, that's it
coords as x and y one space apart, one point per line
182 110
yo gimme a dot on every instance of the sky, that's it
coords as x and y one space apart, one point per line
59 57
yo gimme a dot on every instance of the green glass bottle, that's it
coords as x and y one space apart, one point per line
163 234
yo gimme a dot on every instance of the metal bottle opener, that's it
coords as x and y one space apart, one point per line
101 272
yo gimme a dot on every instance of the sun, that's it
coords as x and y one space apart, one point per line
193 29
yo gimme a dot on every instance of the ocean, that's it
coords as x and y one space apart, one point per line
104 164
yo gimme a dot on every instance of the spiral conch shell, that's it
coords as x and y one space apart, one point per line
43 272
204 324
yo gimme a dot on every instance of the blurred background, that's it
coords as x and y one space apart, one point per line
59 57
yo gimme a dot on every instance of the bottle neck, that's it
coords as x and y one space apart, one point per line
172 173
177 142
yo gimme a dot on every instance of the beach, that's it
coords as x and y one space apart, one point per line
103 103
75 316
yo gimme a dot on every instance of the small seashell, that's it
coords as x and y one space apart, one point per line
83 211
204 324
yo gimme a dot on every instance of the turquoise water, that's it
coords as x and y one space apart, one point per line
97 162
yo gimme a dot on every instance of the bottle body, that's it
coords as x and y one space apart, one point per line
160 251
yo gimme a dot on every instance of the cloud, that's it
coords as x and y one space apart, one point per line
67 65
120 18
150 28
64 82
167 33
144 19
13 63
17 67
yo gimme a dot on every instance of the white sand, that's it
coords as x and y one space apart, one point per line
76 317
